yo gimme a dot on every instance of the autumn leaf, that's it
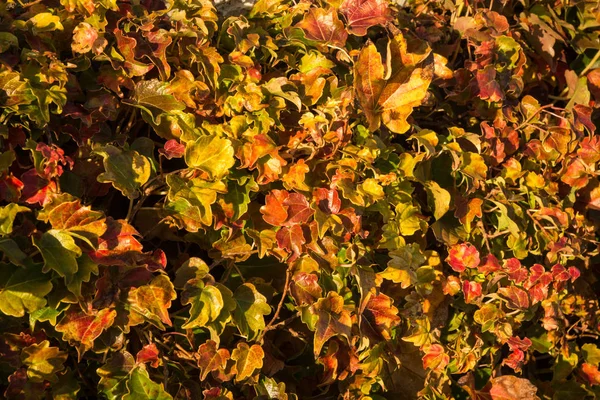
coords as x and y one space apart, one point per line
211 358
463 256
140 386
247 360
510 387
211 154
380 316
43 361
126 170
82 329
332 320
363 14
151 302
324 26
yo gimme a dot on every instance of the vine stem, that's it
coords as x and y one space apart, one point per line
589 66
286 287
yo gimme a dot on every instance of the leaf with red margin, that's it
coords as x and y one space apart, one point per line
151 302
148 354
118 245
324 26
363 14
576 174
82 329
211 358
332 320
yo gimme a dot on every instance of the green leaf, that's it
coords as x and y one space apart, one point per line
591 353
251 307
22 289
115 374
85 268
59 252
126 170
211 154
438 199
7 217
43 314
154 98
141 387
7 40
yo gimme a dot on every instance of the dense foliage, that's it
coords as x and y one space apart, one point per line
321 199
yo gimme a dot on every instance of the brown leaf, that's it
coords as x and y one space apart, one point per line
332 320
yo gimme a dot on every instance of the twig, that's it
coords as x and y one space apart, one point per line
591 63
288 275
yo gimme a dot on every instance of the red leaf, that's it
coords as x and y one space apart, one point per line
463 256
472 291
291 239
305 288
324 26
380 316
489 89
172 149
363 14
590 373
576 174
298 209
328 200
435 358
83 328
148 354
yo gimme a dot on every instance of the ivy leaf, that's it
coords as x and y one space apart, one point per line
43 361
59 252
207 303
65 213
517 298
363 14
248 316
153 96
463 256
151 302
298 209
402 268
141 387
85 268
22 289
7 217
115 374
211 358
508 387
291 239
379 316
44 22
332 320
211 154
190 200
127 170
369 83
324 26
438 199
275 211
43 314
247 360
82 329
305 288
